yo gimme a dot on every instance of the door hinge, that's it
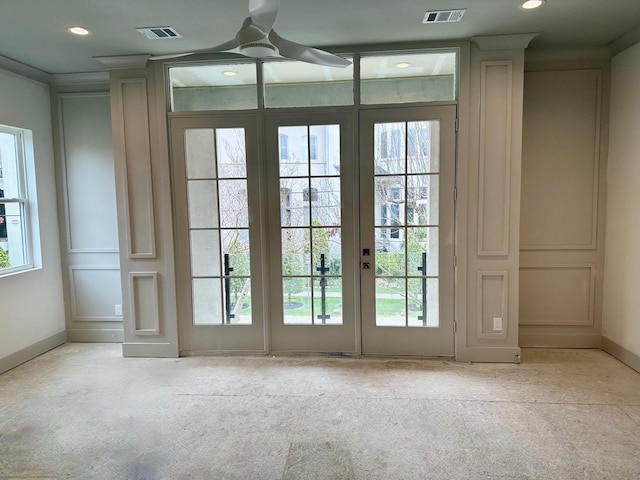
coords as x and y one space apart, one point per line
455 326
457 124
455 261
455 194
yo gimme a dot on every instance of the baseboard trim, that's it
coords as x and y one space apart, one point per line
625 356
149 350
489 355
21 356
554 340
95 336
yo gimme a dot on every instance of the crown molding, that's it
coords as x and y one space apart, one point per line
518 41
118 62
61 79
24 70
629 39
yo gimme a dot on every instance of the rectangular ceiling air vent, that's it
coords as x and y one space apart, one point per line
443 16
159 33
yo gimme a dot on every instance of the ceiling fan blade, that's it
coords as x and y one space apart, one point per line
295 51
264 12
223 47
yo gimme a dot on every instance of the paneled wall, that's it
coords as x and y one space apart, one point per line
145 217
561 233
490 330
87 206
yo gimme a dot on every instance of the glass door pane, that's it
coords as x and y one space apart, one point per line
310 201
218 225
406 228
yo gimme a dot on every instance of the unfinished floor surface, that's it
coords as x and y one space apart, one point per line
82 411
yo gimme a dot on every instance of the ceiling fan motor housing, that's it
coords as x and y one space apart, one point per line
258 50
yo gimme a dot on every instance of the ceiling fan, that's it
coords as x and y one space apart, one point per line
257 39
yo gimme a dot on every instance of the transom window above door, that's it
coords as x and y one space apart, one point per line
383 78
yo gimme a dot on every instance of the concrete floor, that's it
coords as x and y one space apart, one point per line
82 411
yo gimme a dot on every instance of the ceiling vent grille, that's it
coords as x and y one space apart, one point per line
443 16
159 33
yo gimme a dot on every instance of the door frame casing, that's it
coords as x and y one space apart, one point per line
261 117
296 336
257 219
447 228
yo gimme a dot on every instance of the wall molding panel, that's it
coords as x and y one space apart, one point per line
145 307
564 170
553 293
561 147
496 80
143 197
139 198
91 300
493 301
70 133
493 214
87 212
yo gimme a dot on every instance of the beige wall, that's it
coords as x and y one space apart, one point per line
621 314
31 303
563 199
87 213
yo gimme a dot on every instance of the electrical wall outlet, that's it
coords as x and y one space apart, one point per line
118 310
497 324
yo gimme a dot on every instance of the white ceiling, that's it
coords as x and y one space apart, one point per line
33 31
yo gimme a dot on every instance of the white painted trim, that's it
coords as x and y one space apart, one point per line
504 251
149 350
625 356
88 78
122 121
24 70
559 340
597 128
563 265
63 171
97 335
21 356
490 355
628 40
154 303
505 304
124 61
72 287
504 42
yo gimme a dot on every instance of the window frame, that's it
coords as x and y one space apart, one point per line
24 168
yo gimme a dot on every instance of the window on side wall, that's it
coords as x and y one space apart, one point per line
16 163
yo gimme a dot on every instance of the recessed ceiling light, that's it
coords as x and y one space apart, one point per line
531 4
229 73
76 30
403 65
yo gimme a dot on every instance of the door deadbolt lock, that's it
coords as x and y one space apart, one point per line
366 266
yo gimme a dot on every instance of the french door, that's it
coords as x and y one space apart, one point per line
219 233
407 168
310 162
292 237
